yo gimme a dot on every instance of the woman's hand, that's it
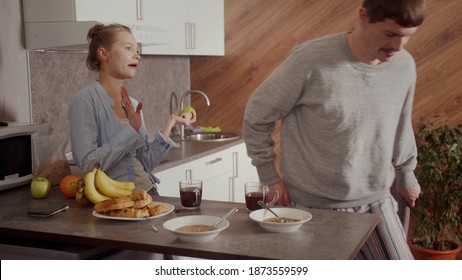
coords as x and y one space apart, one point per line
134 116
185 119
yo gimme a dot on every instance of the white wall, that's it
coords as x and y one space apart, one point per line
14 85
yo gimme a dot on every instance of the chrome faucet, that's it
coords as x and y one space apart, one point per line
183 97
173 110
173 103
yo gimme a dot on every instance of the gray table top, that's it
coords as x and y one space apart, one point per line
328 235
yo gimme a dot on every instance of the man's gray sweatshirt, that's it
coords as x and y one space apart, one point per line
346 130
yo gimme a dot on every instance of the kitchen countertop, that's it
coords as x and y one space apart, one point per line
192 150
329 235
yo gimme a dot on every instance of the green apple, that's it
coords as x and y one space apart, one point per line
40 187
186 110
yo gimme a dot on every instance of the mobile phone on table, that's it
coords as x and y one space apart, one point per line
47 210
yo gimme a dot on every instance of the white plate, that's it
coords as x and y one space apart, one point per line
172 207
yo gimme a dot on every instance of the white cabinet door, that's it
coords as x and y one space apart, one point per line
214 170
207 34
168 185
242 171
153 22
124 11
169 179
120 11
223 173
194 27
217 188
48 10
170 17
164 27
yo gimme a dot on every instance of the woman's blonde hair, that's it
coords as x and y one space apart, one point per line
104 36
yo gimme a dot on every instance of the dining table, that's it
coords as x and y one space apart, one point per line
329 235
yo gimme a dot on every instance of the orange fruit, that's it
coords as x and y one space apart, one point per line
69 185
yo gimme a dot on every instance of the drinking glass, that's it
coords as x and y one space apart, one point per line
191 194
255 191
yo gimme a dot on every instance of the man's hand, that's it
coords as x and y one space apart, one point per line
283 195
410 195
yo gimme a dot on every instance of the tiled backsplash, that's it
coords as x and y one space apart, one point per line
56 76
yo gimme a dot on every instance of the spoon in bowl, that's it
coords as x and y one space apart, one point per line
234 210
278 219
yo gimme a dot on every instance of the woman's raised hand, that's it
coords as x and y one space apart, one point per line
134 116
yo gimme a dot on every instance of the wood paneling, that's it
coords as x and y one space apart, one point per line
261 33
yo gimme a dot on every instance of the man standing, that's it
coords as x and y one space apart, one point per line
345 102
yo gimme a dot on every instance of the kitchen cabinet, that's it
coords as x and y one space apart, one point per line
214 170
114 11
169 179
163 27
80 10
194 27
243 172
223 174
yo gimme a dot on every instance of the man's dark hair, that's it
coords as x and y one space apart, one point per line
407 13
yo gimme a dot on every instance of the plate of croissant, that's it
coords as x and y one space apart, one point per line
138 206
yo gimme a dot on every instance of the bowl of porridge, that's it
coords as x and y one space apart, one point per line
293 219
196 228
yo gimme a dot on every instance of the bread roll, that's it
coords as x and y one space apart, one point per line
130 213
139 195
137 205
142 203
114 204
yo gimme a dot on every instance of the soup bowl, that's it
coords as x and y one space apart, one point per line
263 217
195 222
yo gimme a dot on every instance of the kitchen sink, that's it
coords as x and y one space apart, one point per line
211 137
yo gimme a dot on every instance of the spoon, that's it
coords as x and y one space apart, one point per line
152 225
278 219
234 210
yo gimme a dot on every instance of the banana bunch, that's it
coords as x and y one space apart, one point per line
110 187
98 186
80 196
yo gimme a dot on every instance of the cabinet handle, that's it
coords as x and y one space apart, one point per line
187 33
235 166
139 9
231 189
193 36
213 161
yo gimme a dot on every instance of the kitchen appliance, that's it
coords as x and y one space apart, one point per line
17 152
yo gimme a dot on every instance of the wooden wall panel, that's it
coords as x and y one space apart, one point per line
261 33
437 49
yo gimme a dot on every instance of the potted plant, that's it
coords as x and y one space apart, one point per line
438 211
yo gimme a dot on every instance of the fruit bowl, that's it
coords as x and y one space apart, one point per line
261 215
174 224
